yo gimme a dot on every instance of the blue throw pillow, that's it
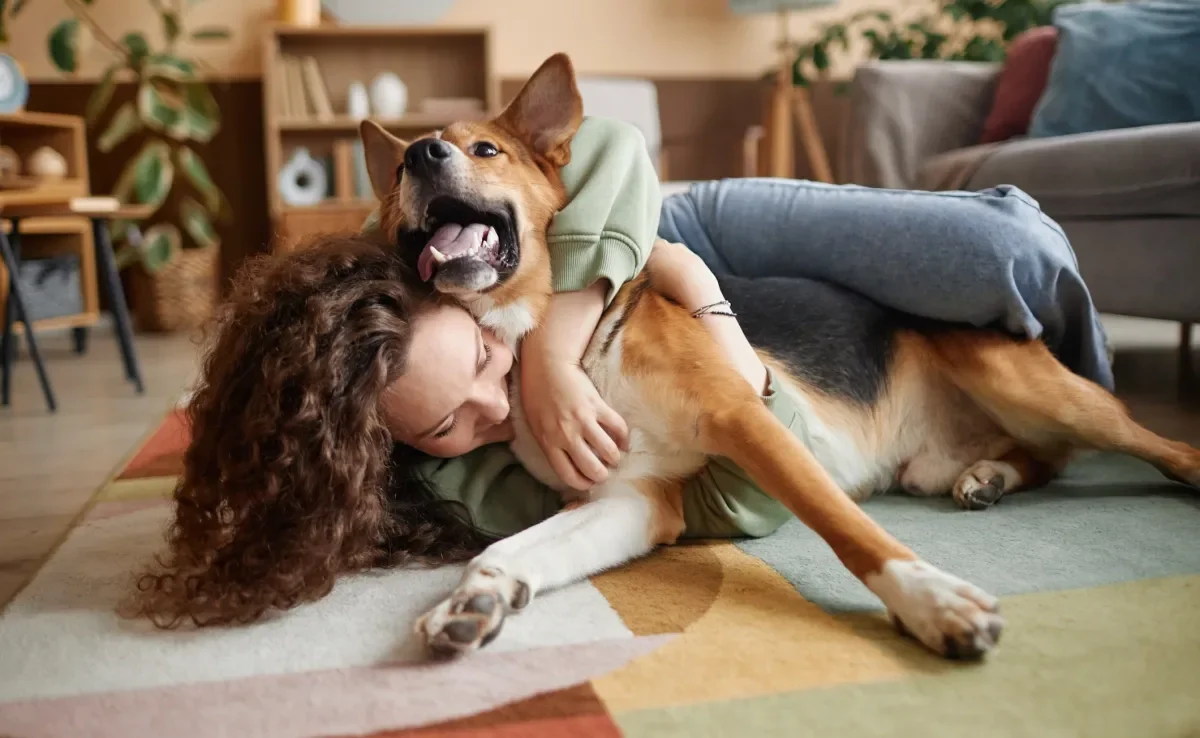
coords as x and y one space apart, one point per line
1120 65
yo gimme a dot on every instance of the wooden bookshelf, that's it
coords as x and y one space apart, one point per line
43 237
435 64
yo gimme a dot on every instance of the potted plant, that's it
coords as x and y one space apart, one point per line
174 261
962 30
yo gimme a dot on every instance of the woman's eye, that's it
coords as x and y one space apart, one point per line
485 149
448 431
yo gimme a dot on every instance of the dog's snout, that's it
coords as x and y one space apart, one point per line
426 156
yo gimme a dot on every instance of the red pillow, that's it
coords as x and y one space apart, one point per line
1021 83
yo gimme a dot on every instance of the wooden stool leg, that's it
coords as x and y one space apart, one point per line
106 262
17 300
810 136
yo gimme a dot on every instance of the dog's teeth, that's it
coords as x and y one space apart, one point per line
491 238
438 256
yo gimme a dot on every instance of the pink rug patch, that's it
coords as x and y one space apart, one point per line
321 703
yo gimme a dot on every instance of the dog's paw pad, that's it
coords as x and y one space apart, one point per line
981 486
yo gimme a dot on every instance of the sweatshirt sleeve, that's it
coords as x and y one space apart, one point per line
501 497
721 501
610 222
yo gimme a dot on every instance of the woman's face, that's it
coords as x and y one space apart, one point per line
454 395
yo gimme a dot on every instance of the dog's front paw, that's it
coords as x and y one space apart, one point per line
954 618
473 615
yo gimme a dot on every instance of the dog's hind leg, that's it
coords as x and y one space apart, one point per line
621 523
1044 405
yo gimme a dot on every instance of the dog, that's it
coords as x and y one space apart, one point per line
937 408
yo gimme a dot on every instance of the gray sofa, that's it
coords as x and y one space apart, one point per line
1128 199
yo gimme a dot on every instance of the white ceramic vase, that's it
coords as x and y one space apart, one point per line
303 181
358 103
389 96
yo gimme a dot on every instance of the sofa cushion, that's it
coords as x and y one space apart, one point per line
1020 84
1120 65
1152 170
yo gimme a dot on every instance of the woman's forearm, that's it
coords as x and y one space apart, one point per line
568 326
733 342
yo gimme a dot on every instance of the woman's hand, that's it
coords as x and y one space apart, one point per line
679 274
581 436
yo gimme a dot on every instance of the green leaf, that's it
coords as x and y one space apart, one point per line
210 34
102 95
124 123
3 22
159 246
147 177
167 66
170 21
197 224
63 43
136 46
196 172
161 109
202 115
820 57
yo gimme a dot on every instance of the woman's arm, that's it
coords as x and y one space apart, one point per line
681 275
579 433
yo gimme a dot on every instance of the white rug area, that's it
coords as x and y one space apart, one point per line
61 636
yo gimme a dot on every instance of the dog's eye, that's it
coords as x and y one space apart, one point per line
485 149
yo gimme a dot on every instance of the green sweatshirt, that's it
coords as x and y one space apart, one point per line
606 231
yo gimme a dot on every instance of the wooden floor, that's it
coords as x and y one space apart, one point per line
51 464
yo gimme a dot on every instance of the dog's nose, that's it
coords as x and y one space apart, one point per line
426 156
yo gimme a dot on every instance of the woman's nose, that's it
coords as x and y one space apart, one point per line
493 404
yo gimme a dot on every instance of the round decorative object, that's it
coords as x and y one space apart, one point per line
47 163
14 88
10 163
389 96
358 103
390 13
303 181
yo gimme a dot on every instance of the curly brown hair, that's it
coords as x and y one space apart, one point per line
291 478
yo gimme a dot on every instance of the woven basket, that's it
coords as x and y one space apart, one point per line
178 297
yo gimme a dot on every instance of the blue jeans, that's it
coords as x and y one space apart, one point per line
989 258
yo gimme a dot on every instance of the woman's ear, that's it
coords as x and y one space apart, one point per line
384 153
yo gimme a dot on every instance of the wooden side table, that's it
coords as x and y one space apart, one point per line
99 211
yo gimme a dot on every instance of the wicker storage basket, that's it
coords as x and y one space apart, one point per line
180 296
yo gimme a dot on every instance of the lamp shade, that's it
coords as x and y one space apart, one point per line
756 7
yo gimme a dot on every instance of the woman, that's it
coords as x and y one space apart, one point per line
323 359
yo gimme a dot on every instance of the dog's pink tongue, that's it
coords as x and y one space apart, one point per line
452 241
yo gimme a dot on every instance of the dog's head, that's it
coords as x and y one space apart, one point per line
469 204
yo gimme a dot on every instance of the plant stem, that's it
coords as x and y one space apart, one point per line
81 13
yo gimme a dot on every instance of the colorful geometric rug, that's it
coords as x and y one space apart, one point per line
1100 578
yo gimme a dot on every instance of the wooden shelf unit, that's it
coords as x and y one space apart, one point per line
432 63
51 236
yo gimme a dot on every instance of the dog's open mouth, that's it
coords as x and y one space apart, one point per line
460 233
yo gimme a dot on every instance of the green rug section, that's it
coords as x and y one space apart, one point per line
1120 661
1110 518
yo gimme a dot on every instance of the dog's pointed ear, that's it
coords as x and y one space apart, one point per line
384 154
547 111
